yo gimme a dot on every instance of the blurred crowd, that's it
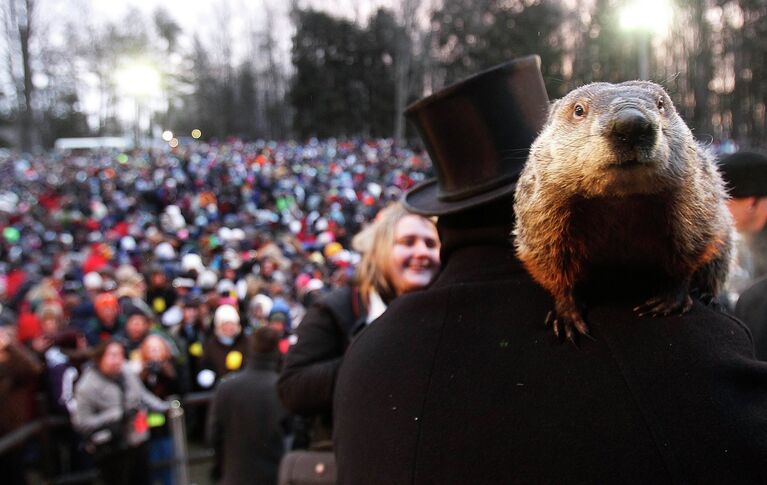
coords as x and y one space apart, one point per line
177 255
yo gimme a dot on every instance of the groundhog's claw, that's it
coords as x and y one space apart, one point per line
567 325
671 304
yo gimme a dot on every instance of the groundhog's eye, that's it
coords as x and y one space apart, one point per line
579 111
661 104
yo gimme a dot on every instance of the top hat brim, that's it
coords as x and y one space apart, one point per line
423 199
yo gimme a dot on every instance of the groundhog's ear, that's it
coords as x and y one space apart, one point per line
554 107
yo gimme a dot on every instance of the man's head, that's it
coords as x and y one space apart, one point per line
265 341
746 177
227 321
278 321
106 308
137 325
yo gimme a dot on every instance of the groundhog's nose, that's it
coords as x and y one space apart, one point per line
631 127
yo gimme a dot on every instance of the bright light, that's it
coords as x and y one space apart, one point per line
648 15
173 143
167 135
196 133
138 79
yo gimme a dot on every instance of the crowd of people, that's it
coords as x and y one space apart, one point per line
130 278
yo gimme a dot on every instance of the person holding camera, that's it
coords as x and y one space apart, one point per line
110 410
160 375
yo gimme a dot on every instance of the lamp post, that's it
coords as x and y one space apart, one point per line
645 18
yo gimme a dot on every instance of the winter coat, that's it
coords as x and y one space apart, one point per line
246 424
18 376
752 309
309 373
101 401
189 340
215 353
463 383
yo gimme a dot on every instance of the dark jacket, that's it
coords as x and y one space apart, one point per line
19 374
752 309
311 365
246 424
214 354
463 383
189 339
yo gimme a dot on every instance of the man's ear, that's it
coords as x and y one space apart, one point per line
759 206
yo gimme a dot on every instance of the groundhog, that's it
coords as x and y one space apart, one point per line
616 180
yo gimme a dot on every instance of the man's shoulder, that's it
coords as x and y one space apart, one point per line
704 334
90 377
753 296
232 379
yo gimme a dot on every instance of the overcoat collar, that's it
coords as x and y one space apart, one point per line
480 251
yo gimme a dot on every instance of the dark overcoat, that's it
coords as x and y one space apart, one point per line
309 373
247 424
752 309
215 352
462 383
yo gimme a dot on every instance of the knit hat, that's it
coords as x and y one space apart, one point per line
226 313
262 301
280 312
745 174
93 281
127 274
106 300
192 262
207 280
164 252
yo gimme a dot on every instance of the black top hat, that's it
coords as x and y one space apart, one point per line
745 174
478 133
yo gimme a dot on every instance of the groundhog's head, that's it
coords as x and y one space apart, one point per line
613 139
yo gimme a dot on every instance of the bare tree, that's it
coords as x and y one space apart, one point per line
18 23
403 65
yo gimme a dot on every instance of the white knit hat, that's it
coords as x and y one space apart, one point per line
192 261
226 313
93 281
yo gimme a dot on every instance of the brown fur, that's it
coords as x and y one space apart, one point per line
590 199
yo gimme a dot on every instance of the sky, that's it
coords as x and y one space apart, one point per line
204 18
197 13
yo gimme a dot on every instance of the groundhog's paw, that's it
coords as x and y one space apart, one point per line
673 303
568 324
706 297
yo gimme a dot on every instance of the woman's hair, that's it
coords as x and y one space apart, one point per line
144 348
98 352
50 310
375 243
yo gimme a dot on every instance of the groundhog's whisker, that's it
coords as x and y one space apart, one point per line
512 159
514 150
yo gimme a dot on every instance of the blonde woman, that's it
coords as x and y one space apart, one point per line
400 253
